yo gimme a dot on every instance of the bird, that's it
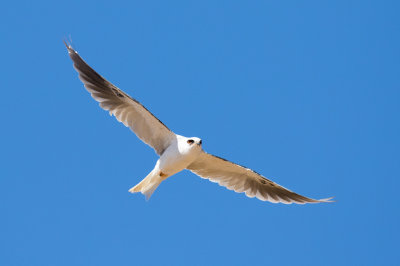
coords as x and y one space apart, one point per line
177 152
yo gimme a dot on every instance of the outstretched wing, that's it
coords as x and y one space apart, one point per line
126 109
242 179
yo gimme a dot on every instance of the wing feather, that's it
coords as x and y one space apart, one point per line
242 179
125 109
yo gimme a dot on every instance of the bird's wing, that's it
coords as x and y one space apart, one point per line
242 179
126 109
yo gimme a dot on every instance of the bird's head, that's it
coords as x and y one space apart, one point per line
194 142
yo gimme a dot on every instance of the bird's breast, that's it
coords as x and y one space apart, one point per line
174 160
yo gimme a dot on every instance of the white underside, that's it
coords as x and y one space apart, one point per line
174 159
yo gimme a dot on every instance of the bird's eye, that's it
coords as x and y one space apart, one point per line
190 141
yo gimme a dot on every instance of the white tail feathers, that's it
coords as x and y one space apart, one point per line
148 185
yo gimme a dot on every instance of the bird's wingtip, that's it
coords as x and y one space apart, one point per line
327 200
67 44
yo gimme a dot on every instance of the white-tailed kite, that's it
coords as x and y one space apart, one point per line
177 152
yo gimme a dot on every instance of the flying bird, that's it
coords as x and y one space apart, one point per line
177 152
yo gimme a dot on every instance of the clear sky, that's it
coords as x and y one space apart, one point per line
305 92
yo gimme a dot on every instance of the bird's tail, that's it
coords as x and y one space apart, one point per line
148 185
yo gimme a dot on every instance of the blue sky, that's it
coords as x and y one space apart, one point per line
304 92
